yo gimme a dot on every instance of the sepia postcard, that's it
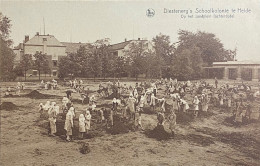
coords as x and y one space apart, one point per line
121 83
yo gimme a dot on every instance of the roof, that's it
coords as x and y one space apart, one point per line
73 47
120 46
39 40
236 63
20 46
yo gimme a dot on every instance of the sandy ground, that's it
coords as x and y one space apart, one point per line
205 141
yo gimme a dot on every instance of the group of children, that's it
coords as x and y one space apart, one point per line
140 96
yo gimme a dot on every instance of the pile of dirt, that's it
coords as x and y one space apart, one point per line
230 121
183 118
245 143
113 95
105 105
37 95
119 128
148 110
8 106
158 133
78 101
84 147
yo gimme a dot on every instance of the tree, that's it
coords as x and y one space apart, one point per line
65 67
6 53
94 63
5 30
26 63
164 51
40 62
135 56
182 66
210 46
101 47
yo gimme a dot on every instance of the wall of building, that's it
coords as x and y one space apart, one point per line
243 72
56 51
18 55
31 49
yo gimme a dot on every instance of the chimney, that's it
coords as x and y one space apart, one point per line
138 38
37 33
125 39
26 38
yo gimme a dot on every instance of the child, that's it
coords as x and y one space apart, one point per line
102 118
87 121
82 127
196 105
139 118
172 120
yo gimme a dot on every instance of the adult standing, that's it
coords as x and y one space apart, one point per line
196 105
69 123
88 119
82 126
172 122
52 119
216 82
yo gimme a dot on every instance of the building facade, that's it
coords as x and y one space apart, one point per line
49 45
236 70
120 48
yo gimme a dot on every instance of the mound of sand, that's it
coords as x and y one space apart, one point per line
148 110
158 133
105 105
37 95
8 106
84 148
247 144
119 128
183 118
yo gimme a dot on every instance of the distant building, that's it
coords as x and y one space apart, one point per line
49 45
120 48
73 47
235 70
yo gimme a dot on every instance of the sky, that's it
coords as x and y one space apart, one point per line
88 21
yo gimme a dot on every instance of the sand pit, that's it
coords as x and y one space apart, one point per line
158 133
8 106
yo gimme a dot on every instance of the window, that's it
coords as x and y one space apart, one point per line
115 53
54 73
55 63
35 72
44 39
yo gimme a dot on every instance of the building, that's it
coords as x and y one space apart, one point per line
73 47
49 45
235 70
120 48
